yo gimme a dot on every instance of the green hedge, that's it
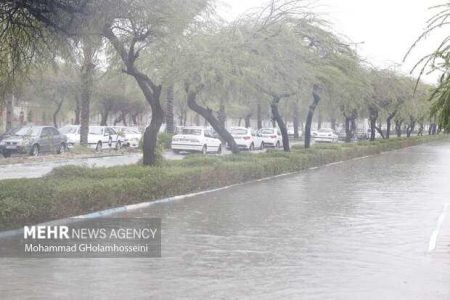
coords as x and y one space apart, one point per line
73 190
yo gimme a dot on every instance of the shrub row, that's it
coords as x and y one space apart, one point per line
73 190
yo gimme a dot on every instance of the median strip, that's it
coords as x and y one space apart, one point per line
93 192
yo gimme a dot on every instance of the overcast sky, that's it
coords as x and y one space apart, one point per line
387 27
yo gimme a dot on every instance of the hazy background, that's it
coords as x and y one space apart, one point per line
387 28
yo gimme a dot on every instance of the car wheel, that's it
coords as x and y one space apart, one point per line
252 147
6 154
204 150
219 150
34 150
61 149
98 148
176 151
262 146
278 144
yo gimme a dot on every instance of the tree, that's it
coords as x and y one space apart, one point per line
437 62
138 27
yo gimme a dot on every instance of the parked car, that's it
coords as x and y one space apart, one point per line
360 134
8 133
34 140
326 135
342 134
247 138
99 137
196 139
271 137
131 135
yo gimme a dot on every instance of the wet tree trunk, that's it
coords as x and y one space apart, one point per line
169 110
247 120
104 118
77 110
277 117
56 112
258 114
388 123
207 113
333 123
310 115
9 111
295 119
350 126
87 81
398 127
373 116
319 120
411 127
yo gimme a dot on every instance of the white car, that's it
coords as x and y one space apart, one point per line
247 138
99 137
326 135
271 137
131 136
196 139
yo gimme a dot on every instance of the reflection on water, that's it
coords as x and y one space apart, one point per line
359 229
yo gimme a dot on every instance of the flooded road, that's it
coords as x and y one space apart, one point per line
355 230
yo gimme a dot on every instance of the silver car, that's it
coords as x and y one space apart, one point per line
34 140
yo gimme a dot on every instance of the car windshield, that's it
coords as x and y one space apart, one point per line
95 130
28 131
267 131
238 131
192 131
69 130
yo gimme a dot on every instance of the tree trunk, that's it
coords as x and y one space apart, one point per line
411 126
9 111
169 110
77 110
87 80
215 123
124 118
56 112
277 117
319 120
104 118
258 115
398 127
310 115
350 126
333 123
373 116
247 120
295 120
